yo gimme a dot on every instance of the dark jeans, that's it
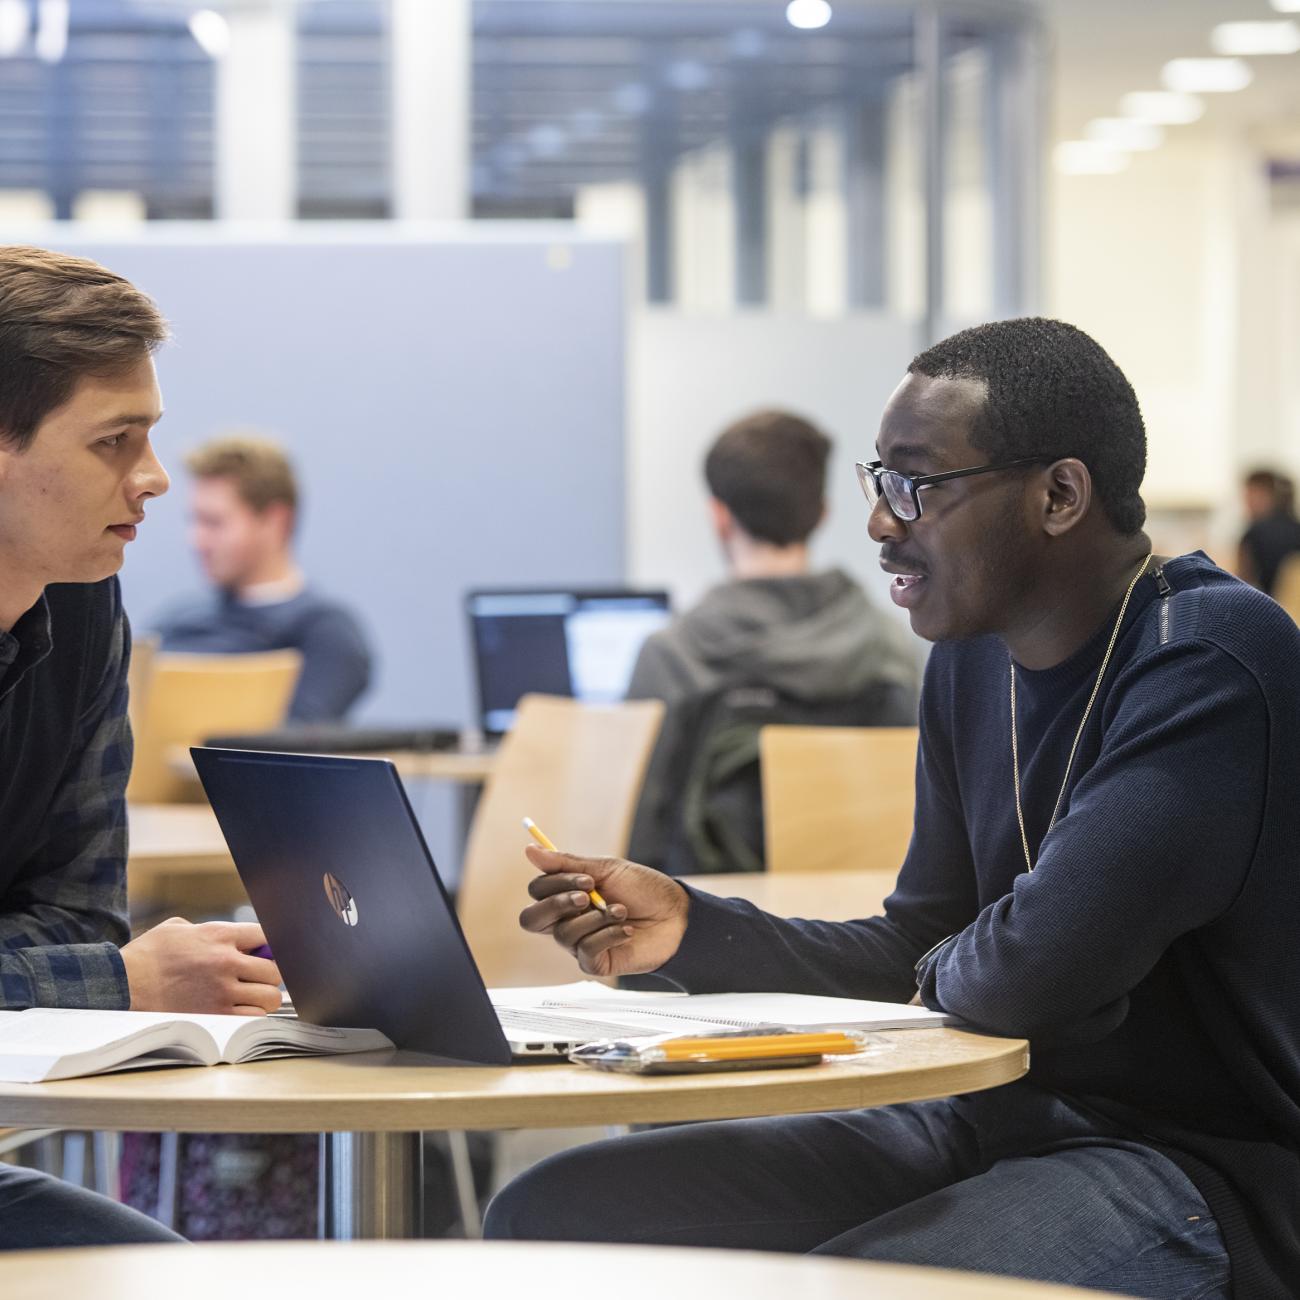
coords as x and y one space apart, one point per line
1015 1182
37 1211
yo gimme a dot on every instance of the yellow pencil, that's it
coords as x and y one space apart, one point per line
544 840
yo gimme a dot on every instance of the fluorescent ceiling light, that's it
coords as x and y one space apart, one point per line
1089 158
51 30
15 22
211 31
1287 6
1162 107
547 140
1206 76
1280 37
808 13
632 98
1125 133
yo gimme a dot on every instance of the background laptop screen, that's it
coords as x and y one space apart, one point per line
579 643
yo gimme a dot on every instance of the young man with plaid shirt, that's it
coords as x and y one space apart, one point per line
78 398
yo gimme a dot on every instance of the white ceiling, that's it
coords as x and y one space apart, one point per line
1104 48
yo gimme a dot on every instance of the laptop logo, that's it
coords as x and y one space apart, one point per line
340 899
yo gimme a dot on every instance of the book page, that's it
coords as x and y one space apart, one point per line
735 1010
588 992
257 1038
738 1010
57 1042
808 1011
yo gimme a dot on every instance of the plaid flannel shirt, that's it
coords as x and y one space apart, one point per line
64 915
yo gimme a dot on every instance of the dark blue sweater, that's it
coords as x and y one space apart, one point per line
335 657
1153 956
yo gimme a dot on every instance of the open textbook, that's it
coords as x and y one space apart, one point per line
657 1012
55 1043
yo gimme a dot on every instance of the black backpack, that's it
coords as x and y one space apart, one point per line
714 807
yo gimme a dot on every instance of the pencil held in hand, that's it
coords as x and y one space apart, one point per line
544 840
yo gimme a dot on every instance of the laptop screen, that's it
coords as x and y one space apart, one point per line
578 643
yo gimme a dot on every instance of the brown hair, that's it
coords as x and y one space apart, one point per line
63 318
258 468
769 470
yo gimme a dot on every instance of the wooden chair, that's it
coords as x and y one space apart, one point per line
1286 587
577 771
139 678
194 696
838 798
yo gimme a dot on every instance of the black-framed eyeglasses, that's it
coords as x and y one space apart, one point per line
902 492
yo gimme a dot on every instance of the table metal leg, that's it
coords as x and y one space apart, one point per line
108 1164
463 1176
372 1185
169 1179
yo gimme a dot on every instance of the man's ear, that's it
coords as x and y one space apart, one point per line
280 516
1066 496
723 521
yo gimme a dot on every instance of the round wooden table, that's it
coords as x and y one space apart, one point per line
535 1271
373 1106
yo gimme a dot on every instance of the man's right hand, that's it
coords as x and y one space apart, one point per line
206 968
642 929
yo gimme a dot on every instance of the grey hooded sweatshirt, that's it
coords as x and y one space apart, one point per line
814 637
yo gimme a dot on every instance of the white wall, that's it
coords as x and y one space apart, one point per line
689 376
452 396
1180 269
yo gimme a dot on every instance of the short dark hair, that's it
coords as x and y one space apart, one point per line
1262 478
1052 391
769 470
63 318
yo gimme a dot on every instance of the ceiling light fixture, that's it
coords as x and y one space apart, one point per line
1280 37
1089 158
51 41
15 22
1162 107
808 14
1287 6
1206 76
211 31
1125 133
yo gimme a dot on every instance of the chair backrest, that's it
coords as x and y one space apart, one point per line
576 770
713 814
838 798
191 697
1286 586
139 678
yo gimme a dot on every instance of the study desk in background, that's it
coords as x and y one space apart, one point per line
470 767
538 1270
178 861
371 1108
171 842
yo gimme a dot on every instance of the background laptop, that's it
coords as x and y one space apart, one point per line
582 643
360 924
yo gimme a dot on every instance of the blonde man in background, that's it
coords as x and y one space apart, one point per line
244 505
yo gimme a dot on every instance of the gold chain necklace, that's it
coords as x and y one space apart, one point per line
1078 735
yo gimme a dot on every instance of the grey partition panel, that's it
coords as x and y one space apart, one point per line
454 405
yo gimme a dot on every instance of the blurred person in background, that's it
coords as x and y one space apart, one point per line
808 642
1273 532
244 505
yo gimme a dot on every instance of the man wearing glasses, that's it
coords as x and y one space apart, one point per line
1104 861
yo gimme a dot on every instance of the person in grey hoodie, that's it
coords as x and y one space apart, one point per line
812 638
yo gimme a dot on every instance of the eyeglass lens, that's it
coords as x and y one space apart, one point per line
896 488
